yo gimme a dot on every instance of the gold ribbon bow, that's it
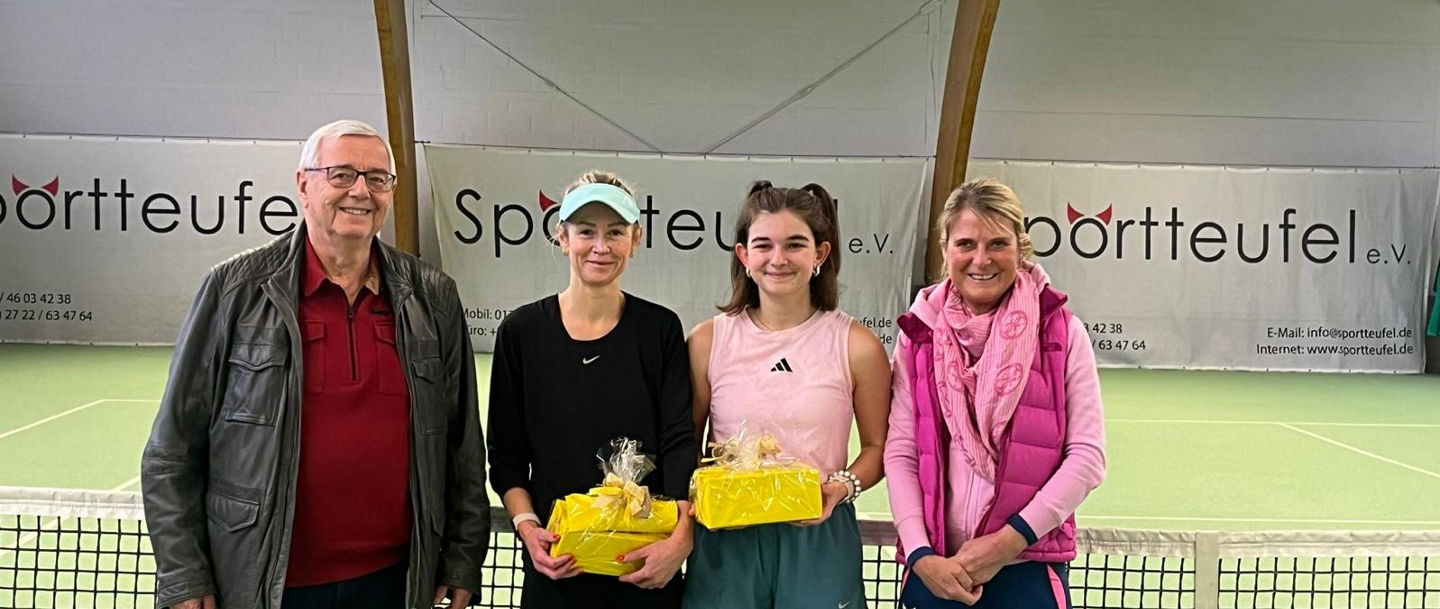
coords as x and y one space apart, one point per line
625 494
745 451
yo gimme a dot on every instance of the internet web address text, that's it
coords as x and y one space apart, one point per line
1399 341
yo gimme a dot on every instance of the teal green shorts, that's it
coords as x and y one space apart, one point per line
778 565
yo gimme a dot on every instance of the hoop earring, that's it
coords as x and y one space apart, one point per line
747 272
817 269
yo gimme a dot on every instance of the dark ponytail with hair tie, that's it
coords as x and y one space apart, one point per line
832 215
828 202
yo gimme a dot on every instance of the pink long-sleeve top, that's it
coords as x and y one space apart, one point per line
968 494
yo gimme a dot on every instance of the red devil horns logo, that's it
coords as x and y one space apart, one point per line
1073 215
53 187
546 202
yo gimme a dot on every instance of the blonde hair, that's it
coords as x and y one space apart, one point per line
597 176
992 202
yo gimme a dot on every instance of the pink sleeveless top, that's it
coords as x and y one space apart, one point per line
794 383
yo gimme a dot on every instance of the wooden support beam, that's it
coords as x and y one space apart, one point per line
400 117
974 22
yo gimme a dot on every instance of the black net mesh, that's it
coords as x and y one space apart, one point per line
104 563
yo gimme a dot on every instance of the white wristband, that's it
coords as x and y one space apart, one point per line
527 516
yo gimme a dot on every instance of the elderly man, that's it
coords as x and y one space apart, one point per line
318 444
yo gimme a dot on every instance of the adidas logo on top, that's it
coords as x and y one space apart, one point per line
782 366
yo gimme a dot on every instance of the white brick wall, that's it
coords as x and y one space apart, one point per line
1279 82
207 68
680 74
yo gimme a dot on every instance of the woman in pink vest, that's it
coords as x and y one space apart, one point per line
783 358
996 422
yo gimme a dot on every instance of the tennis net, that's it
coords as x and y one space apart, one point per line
89 550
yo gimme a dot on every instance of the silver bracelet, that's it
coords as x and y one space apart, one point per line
851 482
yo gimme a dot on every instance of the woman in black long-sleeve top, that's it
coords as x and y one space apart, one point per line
572 372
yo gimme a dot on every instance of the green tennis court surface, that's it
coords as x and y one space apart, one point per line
1188 450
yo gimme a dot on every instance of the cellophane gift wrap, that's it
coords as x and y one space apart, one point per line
749 481
617 517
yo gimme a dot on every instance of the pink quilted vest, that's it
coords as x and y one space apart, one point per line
1034 440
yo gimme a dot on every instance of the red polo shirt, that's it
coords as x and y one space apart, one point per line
352 501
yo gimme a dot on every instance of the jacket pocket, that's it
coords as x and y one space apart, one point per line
429 393
232 508
232 519
257 373
426 361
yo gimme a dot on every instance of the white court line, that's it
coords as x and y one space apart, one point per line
63 414
1265 520
1360 451
128 483
30 537
1306 423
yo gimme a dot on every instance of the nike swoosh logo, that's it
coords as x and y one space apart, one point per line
587 360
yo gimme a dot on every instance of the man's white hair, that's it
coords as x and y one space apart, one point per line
310 153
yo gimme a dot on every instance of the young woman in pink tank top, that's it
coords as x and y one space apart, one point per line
782 358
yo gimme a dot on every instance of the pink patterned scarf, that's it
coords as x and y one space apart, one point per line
982 363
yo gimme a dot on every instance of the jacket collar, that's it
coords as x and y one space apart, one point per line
396 283
285 280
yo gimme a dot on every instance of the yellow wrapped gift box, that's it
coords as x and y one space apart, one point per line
615 518
575 518
582 513
726 497
751 482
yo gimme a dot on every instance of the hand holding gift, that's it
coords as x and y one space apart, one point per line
539 543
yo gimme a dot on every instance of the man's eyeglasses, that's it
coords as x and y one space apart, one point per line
344 176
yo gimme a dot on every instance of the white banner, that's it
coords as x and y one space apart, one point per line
1211 267
494 217
105 241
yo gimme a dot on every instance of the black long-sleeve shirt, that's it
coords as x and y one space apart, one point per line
556 401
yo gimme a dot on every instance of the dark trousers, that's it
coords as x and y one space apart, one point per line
383 589
595 591
1025 585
